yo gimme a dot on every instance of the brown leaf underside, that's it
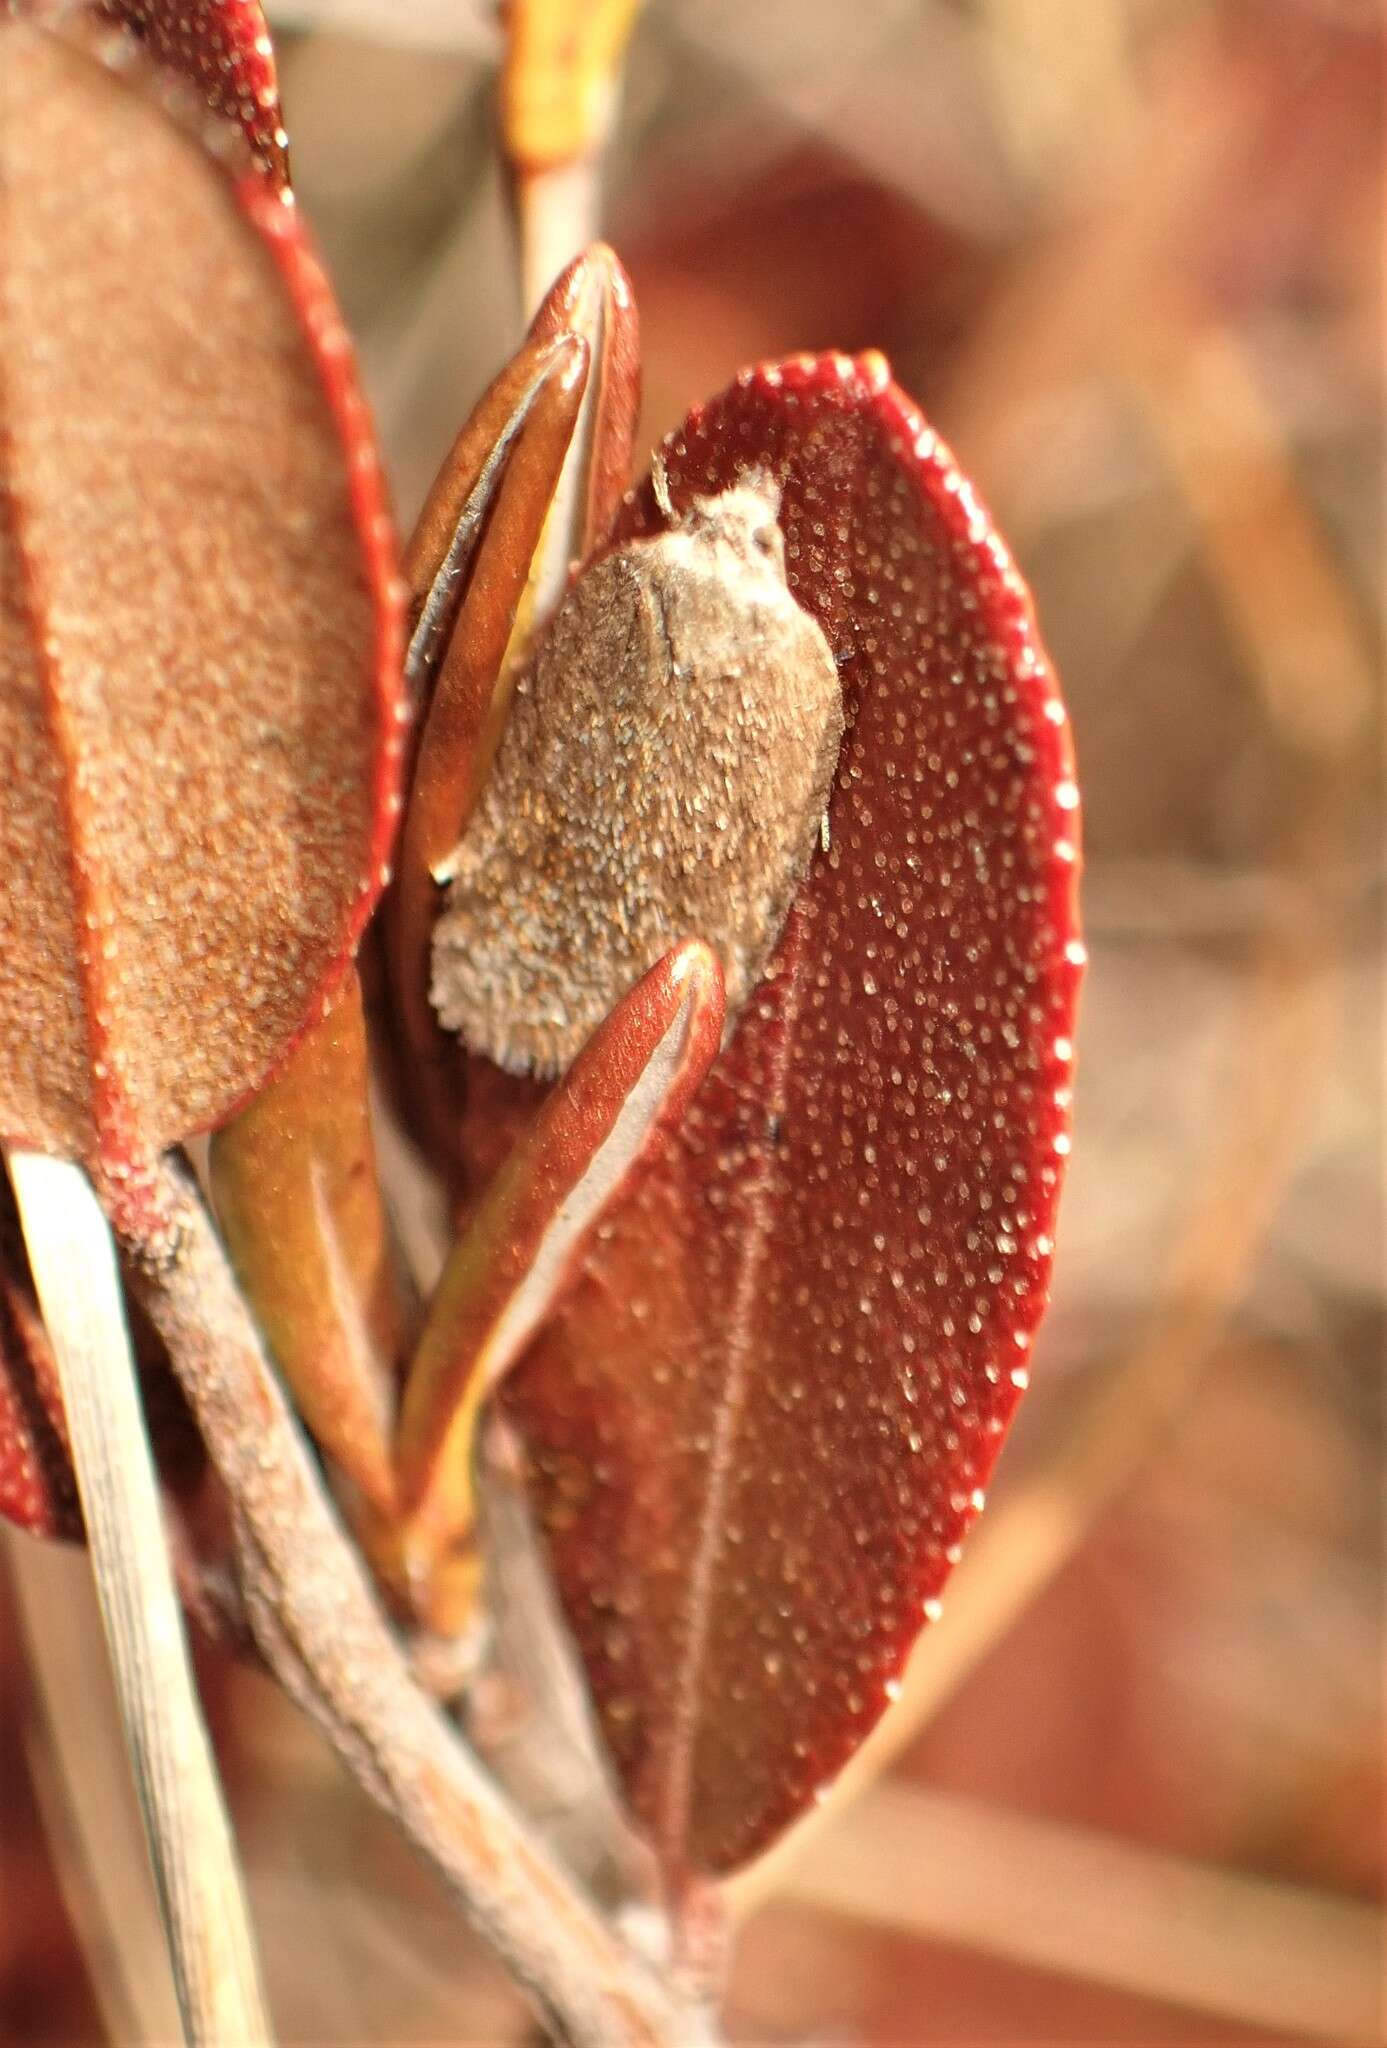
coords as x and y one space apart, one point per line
197 714
761 1423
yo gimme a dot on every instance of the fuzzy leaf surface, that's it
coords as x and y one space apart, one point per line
199 622
761 1422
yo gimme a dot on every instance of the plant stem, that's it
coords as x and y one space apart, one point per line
321 1628
191 1848
559 91
558 209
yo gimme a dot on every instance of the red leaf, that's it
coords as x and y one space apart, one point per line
220 48
199 623
223 49
760 1426
38 1488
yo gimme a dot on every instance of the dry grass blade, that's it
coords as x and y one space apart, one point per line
190 1842
467 27
75 1752
1270 1956
1280 588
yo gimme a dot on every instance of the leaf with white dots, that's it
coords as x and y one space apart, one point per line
759 1426
223 49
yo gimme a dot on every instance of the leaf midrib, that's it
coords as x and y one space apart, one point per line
690 1698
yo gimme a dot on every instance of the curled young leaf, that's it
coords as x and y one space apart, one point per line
593 300
199 630
294 1183
761 1422
589 1141
457 652
475 566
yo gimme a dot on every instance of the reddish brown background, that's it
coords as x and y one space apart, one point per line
1124 252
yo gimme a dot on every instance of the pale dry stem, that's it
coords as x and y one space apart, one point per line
320 1627
197 1874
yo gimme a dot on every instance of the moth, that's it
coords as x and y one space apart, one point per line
664 772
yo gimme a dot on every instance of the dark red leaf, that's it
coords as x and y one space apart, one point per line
223 49
38 1488
220 48
760 1426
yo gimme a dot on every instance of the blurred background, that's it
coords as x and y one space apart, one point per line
1127 255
